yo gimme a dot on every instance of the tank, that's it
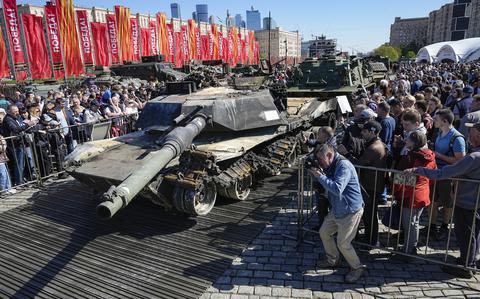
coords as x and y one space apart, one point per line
330 76
192 147
150 71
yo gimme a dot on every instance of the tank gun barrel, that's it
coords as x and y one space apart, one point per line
174 144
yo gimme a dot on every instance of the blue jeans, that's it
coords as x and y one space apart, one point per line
411 228
5 183
18 164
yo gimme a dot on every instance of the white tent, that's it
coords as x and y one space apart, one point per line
472 56
458 51
429 53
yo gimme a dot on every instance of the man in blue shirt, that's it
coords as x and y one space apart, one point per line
339 177
450 147
388 124
462 107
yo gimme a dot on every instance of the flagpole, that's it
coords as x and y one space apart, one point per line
9 47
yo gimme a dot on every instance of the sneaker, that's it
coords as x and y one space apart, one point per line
325 264
354 275
457 272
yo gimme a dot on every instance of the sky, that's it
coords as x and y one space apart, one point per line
358 26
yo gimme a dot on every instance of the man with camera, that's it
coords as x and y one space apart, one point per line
339 177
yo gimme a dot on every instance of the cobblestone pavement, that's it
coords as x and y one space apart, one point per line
274 267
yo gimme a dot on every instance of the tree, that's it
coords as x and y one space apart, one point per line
410 54
388 51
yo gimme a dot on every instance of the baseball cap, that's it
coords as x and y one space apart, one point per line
429 90
3 111
367 114
468 89
373 126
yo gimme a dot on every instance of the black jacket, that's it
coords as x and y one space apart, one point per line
14 127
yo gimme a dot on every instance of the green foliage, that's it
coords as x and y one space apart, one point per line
391 52
410 54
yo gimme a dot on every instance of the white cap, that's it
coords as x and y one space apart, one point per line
3 111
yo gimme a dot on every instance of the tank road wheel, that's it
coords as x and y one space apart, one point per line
240 189
195 202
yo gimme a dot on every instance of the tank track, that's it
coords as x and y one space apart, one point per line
198 173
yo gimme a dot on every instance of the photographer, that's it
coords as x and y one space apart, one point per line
325 134
339 177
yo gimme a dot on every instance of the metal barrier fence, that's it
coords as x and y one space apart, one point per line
38 155
444 252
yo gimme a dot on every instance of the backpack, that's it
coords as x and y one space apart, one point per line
452 141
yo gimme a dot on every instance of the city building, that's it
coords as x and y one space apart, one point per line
211 20
474 13
175 8
406 31
253 19
269 22
194 16
283 44
453 21
238 20
439 24
202 13
229 21
319 47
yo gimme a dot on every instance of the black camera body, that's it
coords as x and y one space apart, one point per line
311 162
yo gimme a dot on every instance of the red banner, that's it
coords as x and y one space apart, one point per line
239 47
68 33
171 43
220 46
4 68
164 43
210 44
100 43
112 39
205 47
13 32
226 49
178 49
185 48
146 48
215 45
153 38
54 41
36 47
135 39
85 42
256 53
244 51
198 40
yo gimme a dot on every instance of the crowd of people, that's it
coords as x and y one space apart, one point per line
37 132
426 121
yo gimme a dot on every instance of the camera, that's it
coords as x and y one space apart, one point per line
311 162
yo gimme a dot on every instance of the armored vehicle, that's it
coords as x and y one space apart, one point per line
330 76
150 71
191 147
